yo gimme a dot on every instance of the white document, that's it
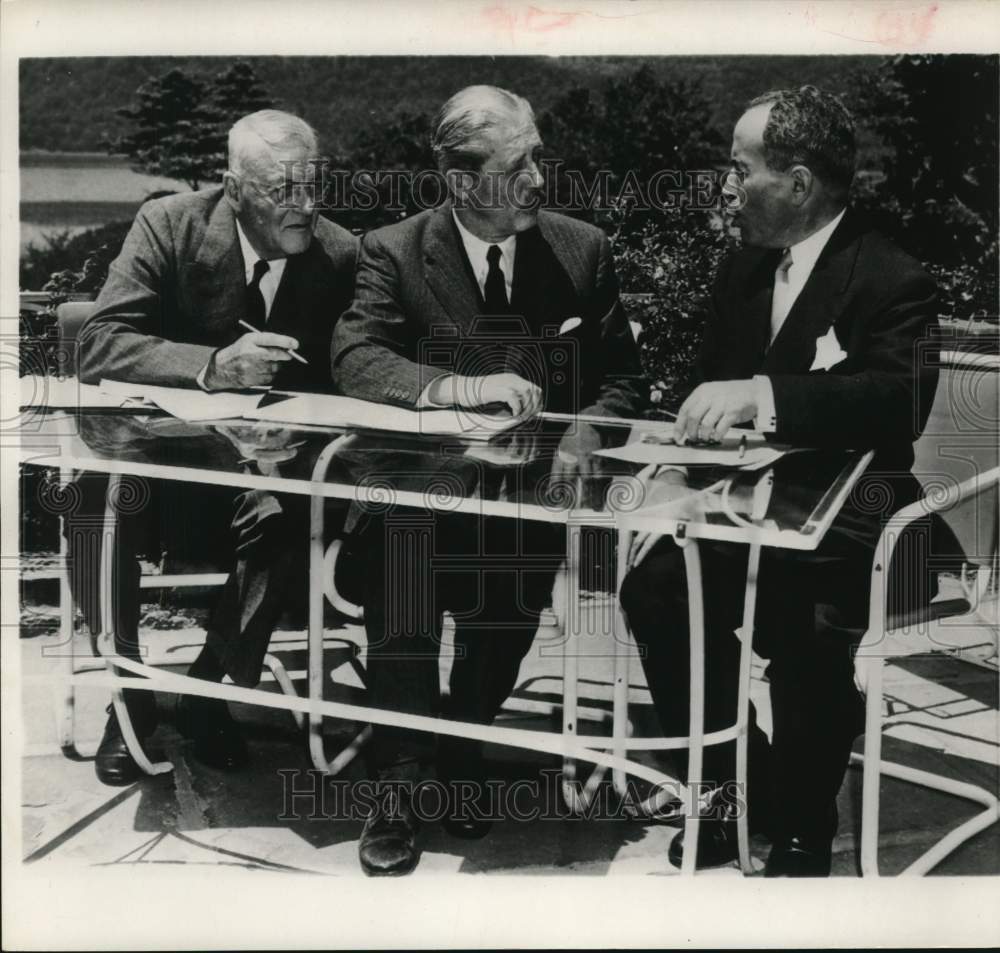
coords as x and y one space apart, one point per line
67 393
334 411
737 449
185 403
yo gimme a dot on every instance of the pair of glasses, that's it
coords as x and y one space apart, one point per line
291 194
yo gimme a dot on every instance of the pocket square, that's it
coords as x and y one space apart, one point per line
570 324
828 352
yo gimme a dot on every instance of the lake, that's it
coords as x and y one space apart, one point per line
74 191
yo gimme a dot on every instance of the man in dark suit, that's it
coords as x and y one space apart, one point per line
191 268
412 338
818 332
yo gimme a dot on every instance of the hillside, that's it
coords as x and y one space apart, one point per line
68 104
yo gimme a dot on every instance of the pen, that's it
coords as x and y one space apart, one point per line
743 447
291 352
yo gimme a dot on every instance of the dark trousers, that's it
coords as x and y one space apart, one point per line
811 613
269 535
494 576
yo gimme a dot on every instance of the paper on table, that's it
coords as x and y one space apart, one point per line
66 393
660 449
187 403
335 411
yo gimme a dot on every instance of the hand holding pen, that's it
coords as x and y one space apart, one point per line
251 360
290 348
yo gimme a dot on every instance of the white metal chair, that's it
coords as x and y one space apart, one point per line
70 317
967 395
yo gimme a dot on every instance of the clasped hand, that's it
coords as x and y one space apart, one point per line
520 396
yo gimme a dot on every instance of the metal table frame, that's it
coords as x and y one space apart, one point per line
603 752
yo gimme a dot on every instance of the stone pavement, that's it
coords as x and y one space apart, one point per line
196 816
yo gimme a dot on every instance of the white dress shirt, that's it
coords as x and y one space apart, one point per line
272 277
268 283
804 256
476 250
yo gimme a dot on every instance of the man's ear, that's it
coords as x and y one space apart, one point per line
231 189
802 183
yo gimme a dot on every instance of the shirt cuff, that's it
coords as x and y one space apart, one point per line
431 394
200 379
766 420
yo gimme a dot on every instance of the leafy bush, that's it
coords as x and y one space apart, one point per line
674 257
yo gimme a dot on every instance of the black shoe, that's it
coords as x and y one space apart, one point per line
718 842
797 858
387 847
113 763
218 741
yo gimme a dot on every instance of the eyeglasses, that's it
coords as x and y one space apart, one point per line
291 194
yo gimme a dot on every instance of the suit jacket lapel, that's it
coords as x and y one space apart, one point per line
818 306
217 270
445 268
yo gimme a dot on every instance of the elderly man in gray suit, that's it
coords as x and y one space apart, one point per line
193 267
489 250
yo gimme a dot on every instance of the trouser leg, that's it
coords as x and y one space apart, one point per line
271 541
817 710
87 533
654 599
495 625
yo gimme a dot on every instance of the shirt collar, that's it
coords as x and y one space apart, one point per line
806 252
476 250
250 257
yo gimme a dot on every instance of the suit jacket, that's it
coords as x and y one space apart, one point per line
417 314
177 289
882 307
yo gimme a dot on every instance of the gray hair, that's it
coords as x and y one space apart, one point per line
254 138
813 128
461 137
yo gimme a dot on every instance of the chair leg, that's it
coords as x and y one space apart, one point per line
872 775
65 697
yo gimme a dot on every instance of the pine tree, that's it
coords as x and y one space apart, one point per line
180 122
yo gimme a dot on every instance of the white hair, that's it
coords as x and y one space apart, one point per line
462 133
255 138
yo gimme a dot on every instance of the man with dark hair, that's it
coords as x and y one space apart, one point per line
487 251
812 335
193 266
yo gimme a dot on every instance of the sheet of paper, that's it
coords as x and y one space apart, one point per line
335 411
728 453
66 393
186 403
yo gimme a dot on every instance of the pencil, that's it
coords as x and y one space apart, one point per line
291 352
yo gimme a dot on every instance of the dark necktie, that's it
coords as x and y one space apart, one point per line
256 309
495 291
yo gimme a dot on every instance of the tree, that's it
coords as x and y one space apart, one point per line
180 122
937 189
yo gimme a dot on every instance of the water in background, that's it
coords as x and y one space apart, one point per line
74 191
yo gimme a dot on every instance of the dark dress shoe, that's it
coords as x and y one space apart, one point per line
387 847
717 844
113 763
796 858
218 741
